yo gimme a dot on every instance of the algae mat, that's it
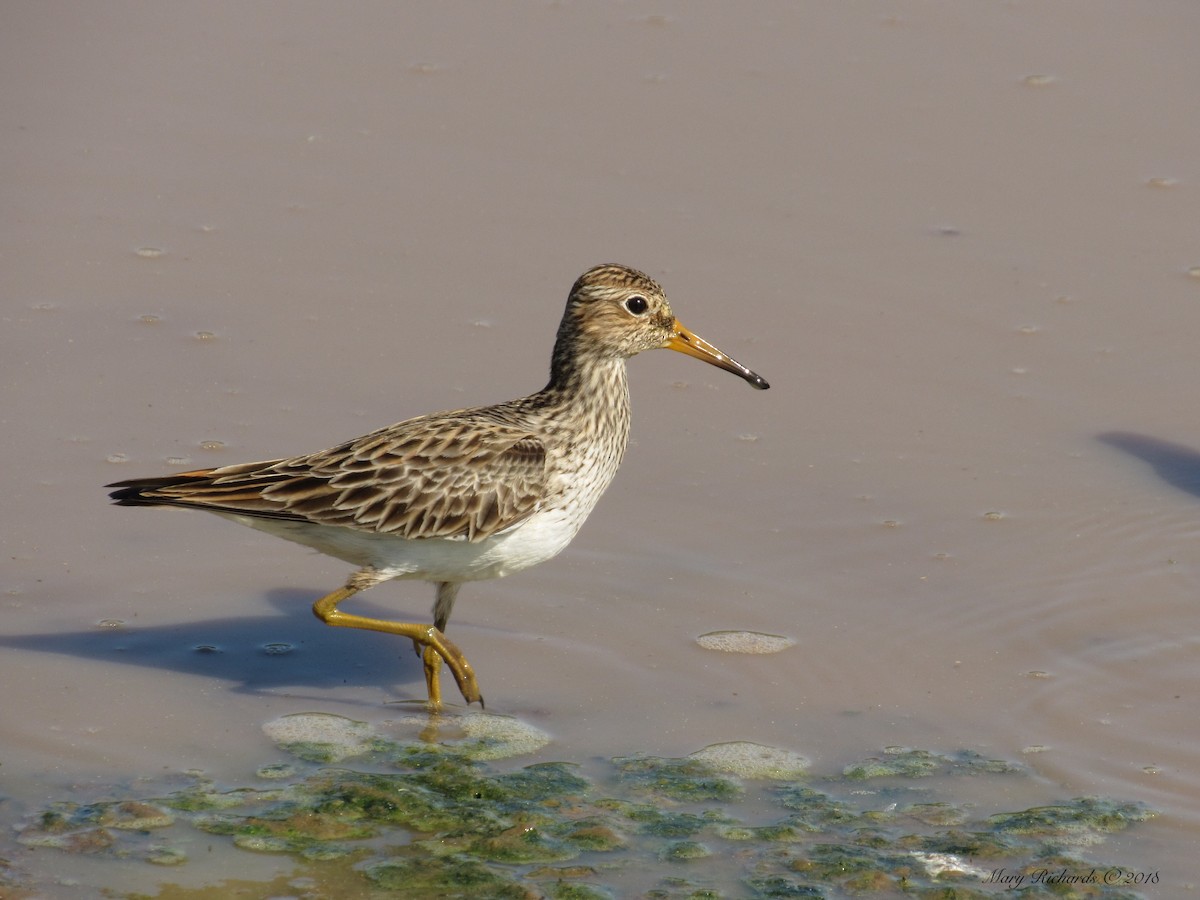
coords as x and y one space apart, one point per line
365 812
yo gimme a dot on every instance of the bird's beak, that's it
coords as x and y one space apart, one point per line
693 345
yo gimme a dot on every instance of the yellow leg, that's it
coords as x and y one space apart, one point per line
437 647
433 676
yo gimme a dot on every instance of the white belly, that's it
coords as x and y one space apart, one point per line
540 537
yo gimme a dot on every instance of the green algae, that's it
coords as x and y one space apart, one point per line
1081 817
940 814
814 810
439 818
907 762
446 877
203 796
647 819
689 780
93 828
522 843
394 800
127 815
545 782
681 851
565 890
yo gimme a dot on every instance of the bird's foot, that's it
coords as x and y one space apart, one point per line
436 648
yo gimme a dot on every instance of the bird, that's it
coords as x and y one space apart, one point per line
464 495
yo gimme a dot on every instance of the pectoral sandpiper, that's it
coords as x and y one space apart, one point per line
465 495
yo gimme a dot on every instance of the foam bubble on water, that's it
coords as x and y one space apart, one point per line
751 760
481 736
330 738
496 737
336 736
744 642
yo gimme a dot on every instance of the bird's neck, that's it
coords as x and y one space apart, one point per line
594 390
595 381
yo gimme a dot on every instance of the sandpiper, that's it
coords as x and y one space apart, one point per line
464 495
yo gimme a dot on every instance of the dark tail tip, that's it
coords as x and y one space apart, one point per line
132 493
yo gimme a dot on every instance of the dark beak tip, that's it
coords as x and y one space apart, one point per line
758 383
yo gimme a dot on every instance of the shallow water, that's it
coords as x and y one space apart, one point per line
959 241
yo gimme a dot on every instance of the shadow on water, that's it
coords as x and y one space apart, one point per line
1176 464
257 653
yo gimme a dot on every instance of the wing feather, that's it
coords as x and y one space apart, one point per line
456 475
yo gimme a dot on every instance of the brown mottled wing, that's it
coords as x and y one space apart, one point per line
461 475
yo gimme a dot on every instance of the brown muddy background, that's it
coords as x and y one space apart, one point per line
956 238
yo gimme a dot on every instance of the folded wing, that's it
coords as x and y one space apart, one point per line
453 475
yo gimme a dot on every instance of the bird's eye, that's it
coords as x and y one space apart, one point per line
637 305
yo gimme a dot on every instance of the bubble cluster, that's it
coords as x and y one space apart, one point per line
337 736
750 760
744 642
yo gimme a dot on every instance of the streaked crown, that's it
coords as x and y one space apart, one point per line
615 311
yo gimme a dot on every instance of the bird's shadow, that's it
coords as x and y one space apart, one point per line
1176 464
257 653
